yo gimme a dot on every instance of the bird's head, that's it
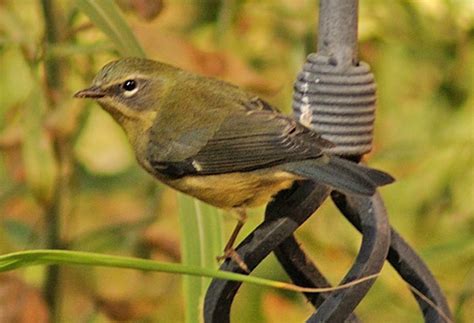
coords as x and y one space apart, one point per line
131 89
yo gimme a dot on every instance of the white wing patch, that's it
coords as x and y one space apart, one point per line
196 165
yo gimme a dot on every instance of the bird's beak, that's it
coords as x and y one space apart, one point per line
94 92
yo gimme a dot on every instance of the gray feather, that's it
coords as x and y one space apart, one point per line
341 174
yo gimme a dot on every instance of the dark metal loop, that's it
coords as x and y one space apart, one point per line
409 265
283 216
369 261
303 272
276 233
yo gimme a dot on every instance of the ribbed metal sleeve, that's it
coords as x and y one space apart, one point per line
339 103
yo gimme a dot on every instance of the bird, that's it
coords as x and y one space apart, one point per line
216 142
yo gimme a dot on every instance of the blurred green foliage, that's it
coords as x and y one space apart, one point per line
60 156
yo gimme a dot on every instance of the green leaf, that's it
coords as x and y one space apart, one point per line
28 258
191 255
201 237
107 17
209 223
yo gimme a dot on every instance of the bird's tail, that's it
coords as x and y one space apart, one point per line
341 174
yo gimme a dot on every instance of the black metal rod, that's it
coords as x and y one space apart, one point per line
303 272
371 257
283 216
410 267
337 35
415 272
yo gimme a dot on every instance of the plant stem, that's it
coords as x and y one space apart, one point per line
51 34
59 205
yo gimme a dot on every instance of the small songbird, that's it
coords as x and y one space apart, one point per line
211 140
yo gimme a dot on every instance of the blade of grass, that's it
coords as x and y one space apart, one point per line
210 229
29 258
107 17
191 255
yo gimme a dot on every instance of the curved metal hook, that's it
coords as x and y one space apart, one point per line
371 257
289 210
282 217
303 272
408 264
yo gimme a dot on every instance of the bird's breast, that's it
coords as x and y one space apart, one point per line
239 189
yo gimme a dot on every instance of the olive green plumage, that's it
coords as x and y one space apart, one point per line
210 139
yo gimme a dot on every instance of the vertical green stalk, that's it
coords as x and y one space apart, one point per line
201 242
191 255
210 237
51 284
56 208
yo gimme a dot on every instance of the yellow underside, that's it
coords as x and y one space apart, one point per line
246 189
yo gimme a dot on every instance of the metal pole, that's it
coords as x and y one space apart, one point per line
337 35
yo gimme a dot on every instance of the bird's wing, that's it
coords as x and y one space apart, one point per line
251 137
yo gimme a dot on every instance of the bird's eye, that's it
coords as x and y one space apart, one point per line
130 87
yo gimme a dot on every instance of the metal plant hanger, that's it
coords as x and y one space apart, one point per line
335 95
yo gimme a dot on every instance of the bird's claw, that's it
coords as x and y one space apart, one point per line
232 254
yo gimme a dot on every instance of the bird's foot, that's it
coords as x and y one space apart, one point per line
232 254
